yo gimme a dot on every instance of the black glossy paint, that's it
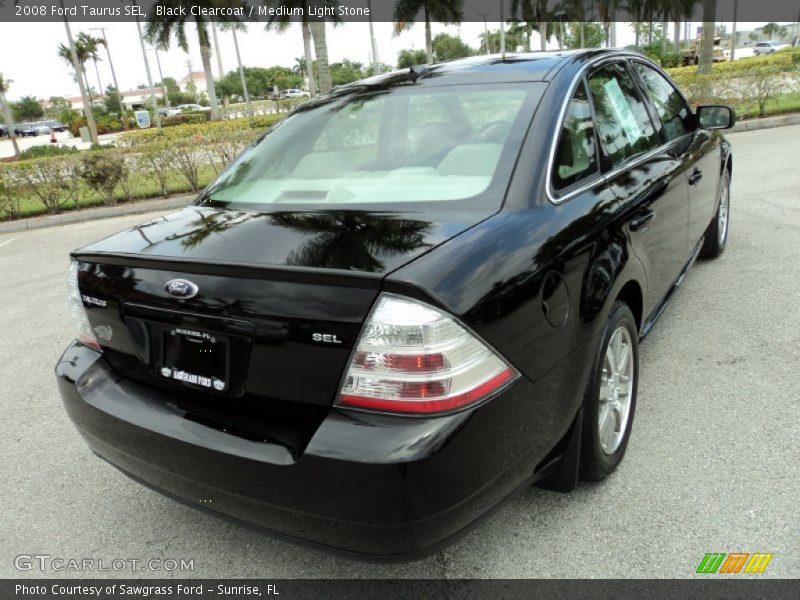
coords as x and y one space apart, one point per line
536 280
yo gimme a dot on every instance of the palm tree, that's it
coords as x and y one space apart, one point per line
770 29
321 52
4 85
311 28
299 67
233 26
161 30
530 12
91 46
450 12
281 23
83 57
707 42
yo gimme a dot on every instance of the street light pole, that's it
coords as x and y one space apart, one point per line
502 30
87 101
102 30
733 29
219 54
241 72
111 64
485 32
376 65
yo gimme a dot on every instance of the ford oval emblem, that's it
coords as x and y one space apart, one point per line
181 288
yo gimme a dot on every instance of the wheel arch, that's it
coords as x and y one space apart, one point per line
633 296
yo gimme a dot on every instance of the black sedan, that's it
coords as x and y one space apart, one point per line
413 297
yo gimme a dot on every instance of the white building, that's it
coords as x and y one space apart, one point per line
131 99
194 83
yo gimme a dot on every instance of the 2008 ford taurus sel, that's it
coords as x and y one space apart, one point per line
414 296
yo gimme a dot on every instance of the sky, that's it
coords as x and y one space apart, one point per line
28 51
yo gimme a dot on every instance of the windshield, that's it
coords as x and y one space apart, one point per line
377 148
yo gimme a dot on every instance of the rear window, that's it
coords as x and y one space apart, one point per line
454 146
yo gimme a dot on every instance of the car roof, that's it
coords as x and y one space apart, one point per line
511 67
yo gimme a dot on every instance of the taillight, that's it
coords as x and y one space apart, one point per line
414 358
85 334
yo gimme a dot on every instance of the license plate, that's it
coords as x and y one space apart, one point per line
195 357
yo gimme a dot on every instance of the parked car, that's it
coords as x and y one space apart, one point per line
366 337
169 112
56 126
3 131
41 128
295 93
25 130
192 108
767 47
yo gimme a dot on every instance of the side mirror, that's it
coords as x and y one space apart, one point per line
715 116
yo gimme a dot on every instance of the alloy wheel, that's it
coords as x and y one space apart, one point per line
616 389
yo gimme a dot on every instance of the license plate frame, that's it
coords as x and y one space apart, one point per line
196 358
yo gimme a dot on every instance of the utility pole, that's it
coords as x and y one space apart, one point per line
87 101
149 77
191 85
161 76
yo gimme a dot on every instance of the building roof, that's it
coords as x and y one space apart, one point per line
194 76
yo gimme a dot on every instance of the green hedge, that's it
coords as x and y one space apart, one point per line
147 163
751 85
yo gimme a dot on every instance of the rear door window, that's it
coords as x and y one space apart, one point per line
576 152
623 123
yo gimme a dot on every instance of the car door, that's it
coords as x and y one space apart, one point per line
644 174
696 147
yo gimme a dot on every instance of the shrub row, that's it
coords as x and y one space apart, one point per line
747 84
147 163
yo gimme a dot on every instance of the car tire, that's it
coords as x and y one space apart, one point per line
716 236
610 398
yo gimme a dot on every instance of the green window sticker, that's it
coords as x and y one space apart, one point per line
623 111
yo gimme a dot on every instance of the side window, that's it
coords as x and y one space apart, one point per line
671 109
623 123
576 153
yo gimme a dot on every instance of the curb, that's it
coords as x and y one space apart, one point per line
766 123
93 214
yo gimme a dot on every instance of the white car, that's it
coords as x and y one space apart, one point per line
41 128
296 93
767 47
192 108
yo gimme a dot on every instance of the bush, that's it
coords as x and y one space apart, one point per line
53 180
150 161
213 129
43 151
189 118
9 192
104 172
747 84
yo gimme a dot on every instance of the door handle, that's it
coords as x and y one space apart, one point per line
696 176
640 219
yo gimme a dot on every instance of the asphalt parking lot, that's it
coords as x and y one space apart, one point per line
713 463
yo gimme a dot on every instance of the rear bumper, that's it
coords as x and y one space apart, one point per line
370 485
